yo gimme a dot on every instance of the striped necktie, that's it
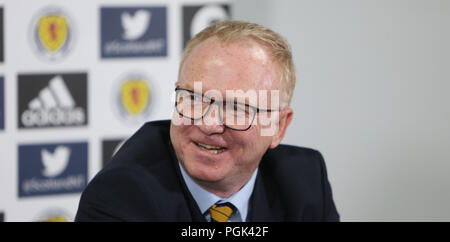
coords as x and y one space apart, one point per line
221 212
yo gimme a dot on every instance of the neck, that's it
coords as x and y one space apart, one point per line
221 190
227 187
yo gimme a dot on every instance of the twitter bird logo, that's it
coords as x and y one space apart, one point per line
135 26
55 163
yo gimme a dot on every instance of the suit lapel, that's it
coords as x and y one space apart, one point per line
195 212
265 205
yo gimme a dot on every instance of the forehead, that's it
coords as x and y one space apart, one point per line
240 65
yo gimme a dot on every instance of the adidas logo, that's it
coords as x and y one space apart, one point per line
54 106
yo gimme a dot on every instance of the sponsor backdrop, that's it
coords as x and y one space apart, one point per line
77 78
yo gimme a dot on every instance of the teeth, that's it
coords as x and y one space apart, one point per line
211 148
215 151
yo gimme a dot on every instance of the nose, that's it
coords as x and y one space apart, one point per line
211 123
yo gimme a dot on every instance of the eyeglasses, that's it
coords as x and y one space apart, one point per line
232 114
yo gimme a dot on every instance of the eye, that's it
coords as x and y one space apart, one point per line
241 108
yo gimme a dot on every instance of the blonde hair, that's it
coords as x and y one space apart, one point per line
230 31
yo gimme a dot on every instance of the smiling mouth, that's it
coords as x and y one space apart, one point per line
211 148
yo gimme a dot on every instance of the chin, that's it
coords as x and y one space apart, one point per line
205 172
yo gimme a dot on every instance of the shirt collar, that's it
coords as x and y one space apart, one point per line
206 199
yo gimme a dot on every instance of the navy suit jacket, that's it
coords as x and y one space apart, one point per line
143 182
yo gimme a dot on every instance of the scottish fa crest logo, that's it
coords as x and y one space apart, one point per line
132 98
52 33
135 96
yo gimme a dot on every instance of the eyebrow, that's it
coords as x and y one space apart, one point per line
215 100
229 101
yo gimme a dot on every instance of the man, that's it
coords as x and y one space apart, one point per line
219 158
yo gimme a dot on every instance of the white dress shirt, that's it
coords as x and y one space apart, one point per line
206 199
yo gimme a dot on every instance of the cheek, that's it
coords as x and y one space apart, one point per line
179 138
178 120
183 135
250 146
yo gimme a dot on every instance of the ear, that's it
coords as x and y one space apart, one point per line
285 119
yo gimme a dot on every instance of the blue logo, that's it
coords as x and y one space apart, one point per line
133 32
2 104
47 169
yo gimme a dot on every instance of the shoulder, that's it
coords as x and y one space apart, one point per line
135 182
142 158
296 152
152 138
294 159
296 172
299 178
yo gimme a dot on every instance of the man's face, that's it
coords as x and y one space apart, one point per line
242 65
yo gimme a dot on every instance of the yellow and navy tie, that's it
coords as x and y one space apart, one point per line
221 212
